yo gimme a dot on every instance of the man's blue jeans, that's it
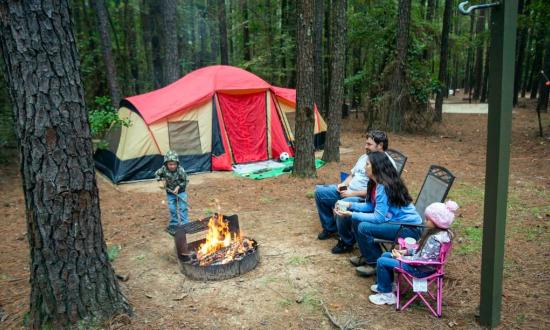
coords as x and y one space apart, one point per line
347 229
367 232
384 272
178 208
325 198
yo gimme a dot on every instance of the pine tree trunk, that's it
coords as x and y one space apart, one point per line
443 58
213 30
202 38
70 276
318 54
170 63
338 60
102 25
525 79
304 162
468 77
430 12
146 38
520 51
222 24
156 42
328 42
542 104
247 56
397 87
534 78
478 68
131 50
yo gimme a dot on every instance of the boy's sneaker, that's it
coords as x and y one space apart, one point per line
383 298
357 261
342 247
170 230
374 288
325 234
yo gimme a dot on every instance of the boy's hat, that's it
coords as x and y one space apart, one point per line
171 156
442 215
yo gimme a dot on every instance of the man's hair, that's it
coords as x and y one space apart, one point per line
379 137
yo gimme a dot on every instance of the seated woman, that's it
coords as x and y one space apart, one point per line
378 217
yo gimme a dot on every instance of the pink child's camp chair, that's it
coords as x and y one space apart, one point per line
434 281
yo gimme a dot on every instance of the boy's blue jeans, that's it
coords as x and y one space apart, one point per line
177 205
325 198
384 272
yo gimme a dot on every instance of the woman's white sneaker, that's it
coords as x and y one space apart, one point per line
383 298
374 288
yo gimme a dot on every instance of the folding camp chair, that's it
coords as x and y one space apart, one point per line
399 159
434 282
435 188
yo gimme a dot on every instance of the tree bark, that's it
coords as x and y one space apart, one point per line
170 63
146 38
468 78
319 7
156 42
131 49
70 276
542 104
102 25
478 68
328 42
222 24
485 83
304 162
443 58
247 56
534 78
520 51
397 88
338 61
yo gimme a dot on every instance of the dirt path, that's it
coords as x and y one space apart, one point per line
297 273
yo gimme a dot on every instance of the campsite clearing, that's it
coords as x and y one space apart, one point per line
298 277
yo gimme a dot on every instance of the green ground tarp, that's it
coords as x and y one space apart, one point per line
269 172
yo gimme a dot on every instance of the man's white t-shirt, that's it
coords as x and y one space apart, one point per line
360 180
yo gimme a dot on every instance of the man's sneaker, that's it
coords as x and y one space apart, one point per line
342 247
366 270
374 288
383 298
357 261
325 234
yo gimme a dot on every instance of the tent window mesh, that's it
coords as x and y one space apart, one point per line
113 138
185 138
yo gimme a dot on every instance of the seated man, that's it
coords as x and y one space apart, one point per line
353 189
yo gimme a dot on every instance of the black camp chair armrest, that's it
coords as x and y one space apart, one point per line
402 224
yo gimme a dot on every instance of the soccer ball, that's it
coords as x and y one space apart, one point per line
284 156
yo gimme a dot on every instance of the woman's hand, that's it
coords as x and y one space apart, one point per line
398 253
340 213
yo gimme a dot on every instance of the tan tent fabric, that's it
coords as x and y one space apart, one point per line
202 114
135 140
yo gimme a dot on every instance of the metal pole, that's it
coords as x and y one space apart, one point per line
501 84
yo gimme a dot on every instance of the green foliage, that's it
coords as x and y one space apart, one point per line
113 251
298 260
471 239
104 116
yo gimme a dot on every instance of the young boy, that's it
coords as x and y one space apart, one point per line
175 181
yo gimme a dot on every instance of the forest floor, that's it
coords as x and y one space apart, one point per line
298 277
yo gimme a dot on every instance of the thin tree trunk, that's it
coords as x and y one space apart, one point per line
318 54
397 88
443 57
526 72
469 60
102 24
327 65
520 51
71 278
202 35
222 24
170 63
146 37
430 12
131 48
542 104
304 162
478 68
537 64
247 56
338 61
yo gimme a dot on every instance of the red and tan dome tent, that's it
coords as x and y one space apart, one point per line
213 117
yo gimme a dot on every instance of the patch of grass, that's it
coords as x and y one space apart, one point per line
471 239
270 279
140 257
534 233
298 260
310 194
467 194
208 212
113 251
311 300
266 200
284 302
520 318
510 267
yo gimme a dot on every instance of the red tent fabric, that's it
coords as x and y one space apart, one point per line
205 82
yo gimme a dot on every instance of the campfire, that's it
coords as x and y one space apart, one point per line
221 246
214 249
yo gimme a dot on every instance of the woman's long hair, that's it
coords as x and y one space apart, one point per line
385 174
